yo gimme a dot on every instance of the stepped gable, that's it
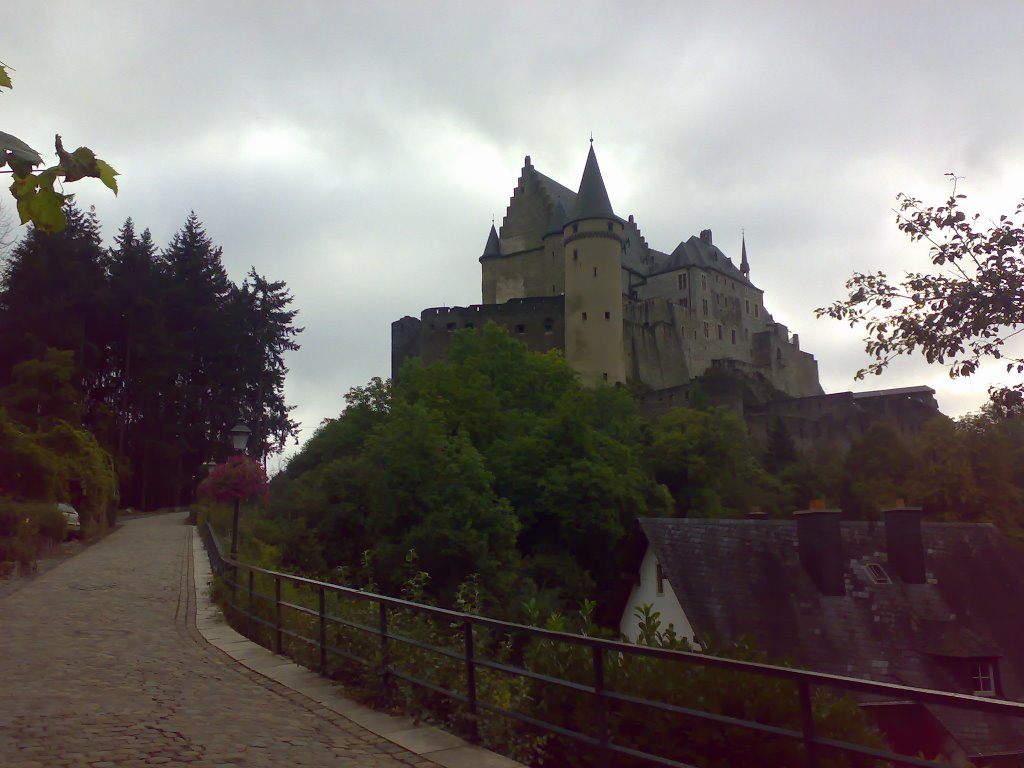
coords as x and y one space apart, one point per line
744 577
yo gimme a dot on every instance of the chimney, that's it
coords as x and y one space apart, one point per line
705 235
903 543
820 540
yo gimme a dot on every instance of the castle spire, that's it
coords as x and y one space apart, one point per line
592 200
744 264
492 248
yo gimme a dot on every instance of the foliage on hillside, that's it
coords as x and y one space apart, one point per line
166 352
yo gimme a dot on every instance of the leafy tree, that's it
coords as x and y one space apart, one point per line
704 459
38 201
780 450
876 470
961 314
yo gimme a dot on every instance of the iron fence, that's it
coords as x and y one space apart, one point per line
273 633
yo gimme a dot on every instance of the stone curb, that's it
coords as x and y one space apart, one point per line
434 744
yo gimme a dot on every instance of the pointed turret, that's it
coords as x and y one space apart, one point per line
492 248
744 264
592 200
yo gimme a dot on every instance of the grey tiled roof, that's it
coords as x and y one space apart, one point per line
744 577
592 200
493 248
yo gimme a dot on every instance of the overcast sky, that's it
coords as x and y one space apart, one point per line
359 150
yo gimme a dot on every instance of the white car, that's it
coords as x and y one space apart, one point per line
72 524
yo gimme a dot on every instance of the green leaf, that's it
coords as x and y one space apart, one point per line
19 149
5 77
47 209
107 174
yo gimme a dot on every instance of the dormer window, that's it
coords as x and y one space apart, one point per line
983 678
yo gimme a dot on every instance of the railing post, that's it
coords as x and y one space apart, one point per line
322 595
385 659
278 644
601 707
470 680
807 723
248 614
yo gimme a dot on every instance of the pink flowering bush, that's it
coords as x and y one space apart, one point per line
237 478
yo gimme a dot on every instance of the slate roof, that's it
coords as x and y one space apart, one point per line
592 200
744 577
492 248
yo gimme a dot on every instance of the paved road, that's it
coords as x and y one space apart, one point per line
101 666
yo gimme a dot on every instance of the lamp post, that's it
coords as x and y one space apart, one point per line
239 438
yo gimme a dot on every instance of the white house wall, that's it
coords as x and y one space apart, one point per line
646 592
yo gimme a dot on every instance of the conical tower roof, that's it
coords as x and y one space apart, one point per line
744 264
592 200
492 248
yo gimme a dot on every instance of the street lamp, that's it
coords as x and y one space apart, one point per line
239 438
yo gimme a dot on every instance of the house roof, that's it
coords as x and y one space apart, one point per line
744 577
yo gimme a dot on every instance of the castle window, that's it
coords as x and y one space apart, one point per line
748 306
684 281
707 329
521 328
548 324
983 678
704 282
607 315
450 326
746 334
705 306
733 335
680 282
682 331
659 575
719 333
609 226
584 315
605 375
469 325
575 254
553 290
755 310
686 302
575 228
595 271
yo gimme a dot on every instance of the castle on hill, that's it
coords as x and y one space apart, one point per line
566 272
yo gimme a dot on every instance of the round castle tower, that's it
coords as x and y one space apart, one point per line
592 238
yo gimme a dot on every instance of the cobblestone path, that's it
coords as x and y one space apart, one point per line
101 666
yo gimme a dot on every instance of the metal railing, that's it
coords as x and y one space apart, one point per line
242 603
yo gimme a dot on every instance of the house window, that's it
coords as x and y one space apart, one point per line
983 678
659 574
607 315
